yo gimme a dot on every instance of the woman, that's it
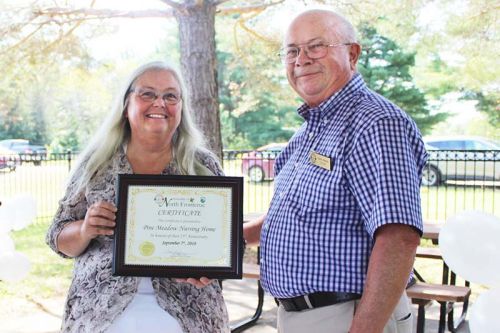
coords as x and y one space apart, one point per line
149 132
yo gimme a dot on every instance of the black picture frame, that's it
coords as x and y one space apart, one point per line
126 262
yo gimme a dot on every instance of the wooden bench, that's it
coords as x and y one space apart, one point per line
429 252
251 271
423 293
446 293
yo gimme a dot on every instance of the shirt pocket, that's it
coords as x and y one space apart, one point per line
319 188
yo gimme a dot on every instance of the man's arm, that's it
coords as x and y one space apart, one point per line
251 230
390 264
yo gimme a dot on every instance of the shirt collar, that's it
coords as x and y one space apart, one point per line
355 84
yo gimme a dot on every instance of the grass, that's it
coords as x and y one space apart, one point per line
46 184
50 274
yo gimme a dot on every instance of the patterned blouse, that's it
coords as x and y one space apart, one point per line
96 297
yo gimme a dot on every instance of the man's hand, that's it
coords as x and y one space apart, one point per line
251 230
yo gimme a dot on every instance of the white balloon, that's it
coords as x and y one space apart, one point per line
25 206
14 266
6 244
474 215
17 212
484 316
5 219
470 244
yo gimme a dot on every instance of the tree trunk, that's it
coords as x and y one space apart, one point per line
198 64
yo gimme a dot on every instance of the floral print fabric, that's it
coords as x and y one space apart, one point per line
96 298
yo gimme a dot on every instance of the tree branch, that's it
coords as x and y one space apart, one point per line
90 13
66 34
241 22
173 4
219 2
23 40
247 9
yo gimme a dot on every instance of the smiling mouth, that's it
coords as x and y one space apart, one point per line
305 74
156 116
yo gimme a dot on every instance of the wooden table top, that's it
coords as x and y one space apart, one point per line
431 230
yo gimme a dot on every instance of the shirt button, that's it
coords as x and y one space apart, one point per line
296 165
311 135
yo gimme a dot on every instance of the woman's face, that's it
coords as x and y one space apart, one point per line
154 107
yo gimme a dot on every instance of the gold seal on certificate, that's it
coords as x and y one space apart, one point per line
179 226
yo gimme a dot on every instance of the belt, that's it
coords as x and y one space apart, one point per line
315 300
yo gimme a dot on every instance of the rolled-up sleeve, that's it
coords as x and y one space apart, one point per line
71 208
384 174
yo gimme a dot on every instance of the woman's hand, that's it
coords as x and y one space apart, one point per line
202 282
99 220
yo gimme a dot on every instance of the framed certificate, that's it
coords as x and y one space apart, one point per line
179 226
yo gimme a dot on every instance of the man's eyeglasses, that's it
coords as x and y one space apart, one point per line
315 50
149 96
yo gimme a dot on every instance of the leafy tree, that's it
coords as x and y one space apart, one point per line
257 106
196 25
22 113
11 124
464 45
489 103
386 69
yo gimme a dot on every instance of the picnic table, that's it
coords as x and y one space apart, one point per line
448 292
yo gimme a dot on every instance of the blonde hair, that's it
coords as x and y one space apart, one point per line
187 141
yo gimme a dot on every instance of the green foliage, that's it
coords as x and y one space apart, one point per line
386 69
22 113
49 275
465 41
489 103
256 104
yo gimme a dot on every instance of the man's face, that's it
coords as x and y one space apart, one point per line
315 80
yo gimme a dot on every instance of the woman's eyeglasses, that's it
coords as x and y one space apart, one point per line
149 96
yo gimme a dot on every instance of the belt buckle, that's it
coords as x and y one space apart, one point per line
308 301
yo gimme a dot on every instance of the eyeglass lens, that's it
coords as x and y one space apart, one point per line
169 97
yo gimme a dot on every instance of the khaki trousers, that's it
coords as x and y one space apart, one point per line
337 318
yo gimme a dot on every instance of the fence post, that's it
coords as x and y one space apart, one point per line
69 159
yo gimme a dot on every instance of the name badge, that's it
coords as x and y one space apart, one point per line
322 161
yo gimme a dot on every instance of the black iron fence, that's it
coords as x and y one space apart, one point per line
453 181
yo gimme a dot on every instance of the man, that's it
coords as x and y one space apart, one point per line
339 239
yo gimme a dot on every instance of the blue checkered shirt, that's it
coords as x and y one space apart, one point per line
319 230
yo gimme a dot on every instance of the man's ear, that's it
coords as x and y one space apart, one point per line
354 53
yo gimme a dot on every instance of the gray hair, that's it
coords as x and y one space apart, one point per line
115 131
336 23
